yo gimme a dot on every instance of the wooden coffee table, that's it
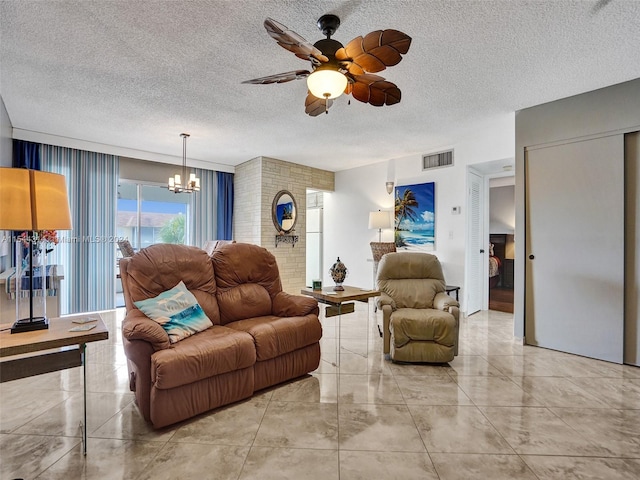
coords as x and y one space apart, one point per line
49 354
338 300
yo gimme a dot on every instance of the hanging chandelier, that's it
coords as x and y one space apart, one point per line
175 183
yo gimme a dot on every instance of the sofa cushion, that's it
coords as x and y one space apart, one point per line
412 292
177 311
212 352
412 279
408 324
243 301
159 267
274 336
239 264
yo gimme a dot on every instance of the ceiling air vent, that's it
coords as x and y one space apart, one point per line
435 160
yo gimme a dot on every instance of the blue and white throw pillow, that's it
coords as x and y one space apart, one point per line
177 311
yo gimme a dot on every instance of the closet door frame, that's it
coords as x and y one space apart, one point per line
574 247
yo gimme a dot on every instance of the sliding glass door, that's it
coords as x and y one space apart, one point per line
150 214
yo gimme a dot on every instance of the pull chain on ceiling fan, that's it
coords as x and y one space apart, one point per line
337 69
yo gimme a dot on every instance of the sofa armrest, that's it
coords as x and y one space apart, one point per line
137 326
385 299
386 334
442 301
287 305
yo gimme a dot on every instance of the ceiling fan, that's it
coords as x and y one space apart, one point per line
337 69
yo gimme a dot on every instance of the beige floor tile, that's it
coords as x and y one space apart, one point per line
128 424
20 406
355 465
235 424
419 369
106 353
538 431
299 425
355 364
474 365
369 418
457 429
378 427
25 456
105 459
581 468
314 388
431 390
452 466
66 417
525 365
191 461
369 389
558 392
496 391
621 393
267 463
618 431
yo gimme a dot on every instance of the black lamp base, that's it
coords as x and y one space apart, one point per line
30 325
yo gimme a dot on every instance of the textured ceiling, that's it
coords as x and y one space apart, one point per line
135 74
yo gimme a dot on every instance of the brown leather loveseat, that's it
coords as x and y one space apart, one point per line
259 335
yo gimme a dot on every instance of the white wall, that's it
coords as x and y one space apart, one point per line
362 190
6 141
502 213
6 160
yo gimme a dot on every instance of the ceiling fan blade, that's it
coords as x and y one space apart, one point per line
375 90
280 77
376 51
314 106
292 41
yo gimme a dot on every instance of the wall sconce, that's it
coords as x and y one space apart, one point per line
389 186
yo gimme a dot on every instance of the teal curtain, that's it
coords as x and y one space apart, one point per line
203 209
88 252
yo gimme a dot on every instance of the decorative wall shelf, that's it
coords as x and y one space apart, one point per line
292 239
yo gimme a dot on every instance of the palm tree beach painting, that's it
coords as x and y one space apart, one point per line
415 217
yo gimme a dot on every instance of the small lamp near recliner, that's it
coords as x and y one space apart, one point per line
31 200
379 220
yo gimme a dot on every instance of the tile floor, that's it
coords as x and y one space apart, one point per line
500 410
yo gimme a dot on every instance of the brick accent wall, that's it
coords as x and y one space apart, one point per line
256 184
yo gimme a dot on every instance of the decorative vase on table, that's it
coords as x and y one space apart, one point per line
338 273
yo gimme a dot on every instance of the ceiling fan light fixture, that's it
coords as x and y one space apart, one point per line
326 83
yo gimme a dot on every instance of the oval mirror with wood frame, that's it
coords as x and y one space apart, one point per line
284 211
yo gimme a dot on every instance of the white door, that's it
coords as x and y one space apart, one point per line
574 299
476 254
632 246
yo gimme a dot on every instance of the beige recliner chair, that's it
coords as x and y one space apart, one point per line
420 321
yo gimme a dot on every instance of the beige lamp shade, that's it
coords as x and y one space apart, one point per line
379 220
33 200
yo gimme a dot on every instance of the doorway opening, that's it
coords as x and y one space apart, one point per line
315 209
478 280
501 243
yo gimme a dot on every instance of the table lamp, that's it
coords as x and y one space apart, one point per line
31 200
379 220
